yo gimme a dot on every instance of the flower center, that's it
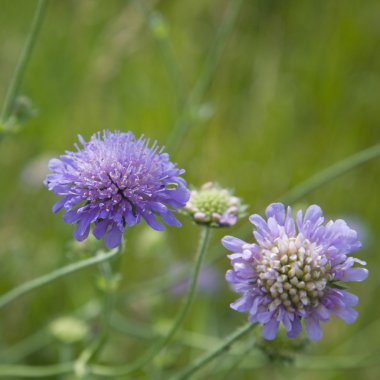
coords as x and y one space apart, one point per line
294 272
211 201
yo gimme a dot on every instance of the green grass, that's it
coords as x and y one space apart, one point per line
295 91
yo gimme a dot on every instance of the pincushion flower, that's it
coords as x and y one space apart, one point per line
295 271
113 182
214 206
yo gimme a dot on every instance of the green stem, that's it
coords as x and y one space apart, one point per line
156 348
144 331
209 356
28 345
65 352
38 372
109 288
50 277
236 363
22 62
160 32
205 79
330 173
314 363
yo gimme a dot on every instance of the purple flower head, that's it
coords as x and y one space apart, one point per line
295 271
113 181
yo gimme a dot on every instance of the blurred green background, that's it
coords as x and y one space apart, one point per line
265 101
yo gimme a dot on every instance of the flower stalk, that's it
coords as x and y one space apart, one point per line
23 61
46 279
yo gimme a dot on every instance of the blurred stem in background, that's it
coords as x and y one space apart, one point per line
162 342
325 176
38 282
22 62
160 31
209 356
204 81
108 282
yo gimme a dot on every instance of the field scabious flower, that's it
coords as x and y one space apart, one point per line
295 271
113 181
214 206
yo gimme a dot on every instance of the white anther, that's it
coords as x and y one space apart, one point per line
292 247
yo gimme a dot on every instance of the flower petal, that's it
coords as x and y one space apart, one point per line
276 211
113 237
313 328
270 329
233 244
296 328
100 228
348 314
355 274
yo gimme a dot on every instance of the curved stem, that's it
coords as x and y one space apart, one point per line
312 363
145 359
25 371
109 287
331 173
236 363
209 356
160 32
36 283
205 79
24 58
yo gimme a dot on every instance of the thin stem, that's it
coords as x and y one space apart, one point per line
330 173
209 356
25 371
160 32
143 331
109 288
236 363
65 352
156 348
23 60
205 79
24 348
50 277
313 363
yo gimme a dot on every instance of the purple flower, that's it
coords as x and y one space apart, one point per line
113 181
295 271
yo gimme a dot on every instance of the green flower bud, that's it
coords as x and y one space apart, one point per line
214 206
